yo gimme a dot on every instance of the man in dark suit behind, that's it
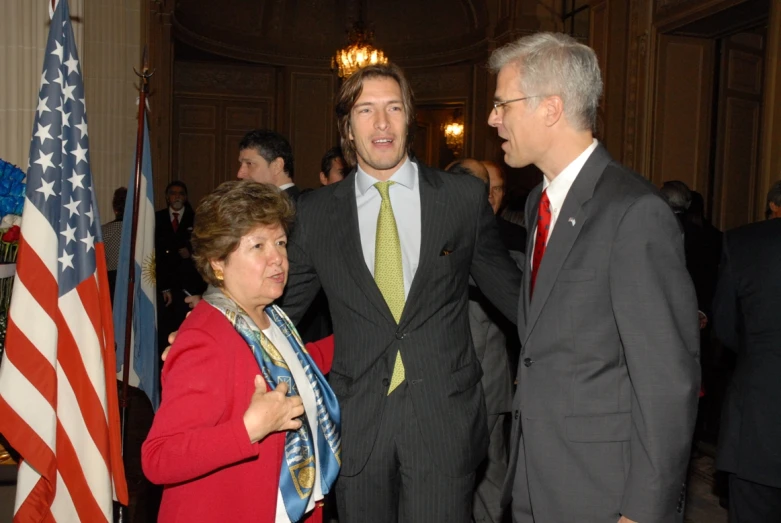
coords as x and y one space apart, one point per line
609 374
490 333
175 270
265 156
747 319
394 260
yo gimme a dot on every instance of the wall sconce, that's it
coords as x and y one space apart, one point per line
454 133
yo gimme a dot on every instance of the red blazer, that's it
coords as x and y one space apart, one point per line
198 446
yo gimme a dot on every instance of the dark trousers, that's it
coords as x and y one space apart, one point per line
400 482
751 502
491 472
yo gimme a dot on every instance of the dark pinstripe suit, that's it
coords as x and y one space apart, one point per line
459 238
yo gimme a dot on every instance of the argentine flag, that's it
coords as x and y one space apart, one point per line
144 361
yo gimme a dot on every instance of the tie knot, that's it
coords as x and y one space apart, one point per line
545 201
176 214
383 188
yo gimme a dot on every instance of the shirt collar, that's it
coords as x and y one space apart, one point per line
286 186
558 188
405 176
180 211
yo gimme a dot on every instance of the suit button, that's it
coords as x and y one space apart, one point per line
385 382
400 335
517 414
527 362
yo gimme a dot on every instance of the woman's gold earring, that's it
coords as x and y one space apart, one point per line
218 274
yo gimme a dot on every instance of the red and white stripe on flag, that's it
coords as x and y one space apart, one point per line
58 395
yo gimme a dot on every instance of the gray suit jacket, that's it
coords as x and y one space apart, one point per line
459 238
609 373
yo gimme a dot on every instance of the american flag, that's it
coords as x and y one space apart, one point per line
58 396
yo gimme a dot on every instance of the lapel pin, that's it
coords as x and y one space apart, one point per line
572 221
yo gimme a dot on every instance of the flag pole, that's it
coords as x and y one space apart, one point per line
143 89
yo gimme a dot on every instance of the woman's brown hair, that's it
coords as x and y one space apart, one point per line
232 210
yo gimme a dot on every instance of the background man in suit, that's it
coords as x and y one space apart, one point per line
393 246
265 156
332 166
489 334
746 312
175 270
609 373
495 185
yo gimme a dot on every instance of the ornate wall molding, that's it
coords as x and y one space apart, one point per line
224 79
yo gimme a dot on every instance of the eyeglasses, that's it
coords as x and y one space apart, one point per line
497 105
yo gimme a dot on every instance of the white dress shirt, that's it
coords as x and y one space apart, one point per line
307 394
286 186
172 211
558 189
405 201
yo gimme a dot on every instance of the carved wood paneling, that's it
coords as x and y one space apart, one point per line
641 38
159 42
197 116
442 83
683 112
306 33
599 35
224 122
739 163
671 13
737 134
195 162
242 118
220 78
745 72
312 123
770 171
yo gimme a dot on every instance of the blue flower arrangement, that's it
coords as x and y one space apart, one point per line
11 189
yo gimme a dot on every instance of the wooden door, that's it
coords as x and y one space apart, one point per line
738 130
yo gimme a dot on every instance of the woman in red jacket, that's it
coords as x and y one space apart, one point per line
248 430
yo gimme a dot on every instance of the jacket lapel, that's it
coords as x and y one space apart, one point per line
344 222
433 212
569 223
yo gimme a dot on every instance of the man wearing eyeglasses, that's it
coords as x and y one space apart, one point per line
609 374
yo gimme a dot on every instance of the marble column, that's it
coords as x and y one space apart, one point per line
24 28
112 47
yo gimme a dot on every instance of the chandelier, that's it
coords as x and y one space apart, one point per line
359 51
454 133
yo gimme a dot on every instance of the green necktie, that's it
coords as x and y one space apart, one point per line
388 272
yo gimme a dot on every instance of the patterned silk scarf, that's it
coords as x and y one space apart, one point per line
297 477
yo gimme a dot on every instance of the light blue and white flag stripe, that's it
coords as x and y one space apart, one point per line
143 355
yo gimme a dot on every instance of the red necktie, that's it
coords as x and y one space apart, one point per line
175 221
541 239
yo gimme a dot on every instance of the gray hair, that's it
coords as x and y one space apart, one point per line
556 64
677 194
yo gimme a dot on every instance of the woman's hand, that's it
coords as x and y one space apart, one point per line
271 411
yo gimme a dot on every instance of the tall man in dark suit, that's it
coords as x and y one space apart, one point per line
265 156
746 314
609 372
393 246
176 273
